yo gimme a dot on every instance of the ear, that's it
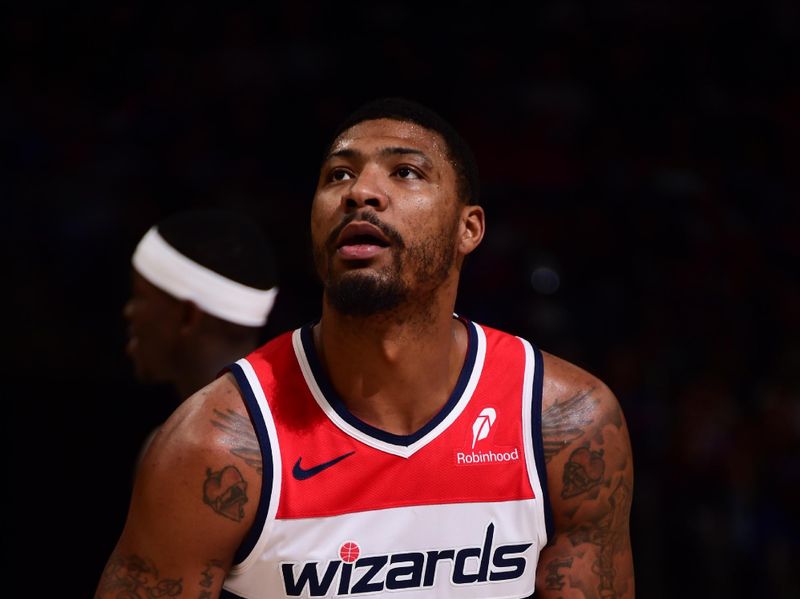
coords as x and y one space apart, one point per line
191 316
471 228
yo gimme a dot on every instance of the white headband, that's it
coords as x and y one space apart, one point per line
167 268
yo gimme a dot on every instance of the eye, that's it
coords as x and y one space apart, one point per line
339 174
406 172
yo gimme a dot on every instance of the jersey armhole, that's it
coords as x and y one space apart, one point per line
538 440
267 467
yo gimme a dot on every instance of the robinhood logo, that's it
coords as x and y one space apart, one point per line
480 430
486 457
353 574
482 425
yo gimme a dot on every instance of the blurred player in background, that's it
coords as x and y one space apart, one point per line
204 283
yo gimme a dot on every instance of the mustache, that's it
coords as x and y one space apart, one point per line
367 217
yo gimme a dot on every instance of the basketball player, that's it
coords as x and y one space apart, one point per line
203 286
391 447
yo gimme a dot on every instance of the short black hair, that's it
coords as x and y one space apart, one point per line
225 241
405 110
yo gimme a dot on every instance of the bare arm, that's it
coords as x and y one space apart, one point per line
193 502
590 482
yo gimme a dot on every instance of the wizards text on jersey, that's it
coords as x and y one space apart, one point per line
407 570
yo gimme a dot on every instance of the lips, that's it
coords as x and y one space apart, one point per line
361 233
361 241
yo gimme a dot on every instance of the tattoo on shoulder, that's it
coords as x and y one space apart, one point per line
134 577
226 492
242 437
564 421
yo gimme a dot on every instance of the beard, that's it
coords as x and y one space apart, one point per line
367 293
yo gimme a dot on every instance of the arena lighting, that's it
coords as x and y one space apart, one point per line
545 280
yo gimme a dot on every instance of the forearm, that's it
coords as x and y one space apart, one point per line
134 576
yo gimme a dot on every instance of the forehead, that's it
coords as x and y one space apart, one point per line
143 288
381 133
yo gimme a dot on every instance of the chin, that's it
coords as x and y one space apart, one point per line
365 293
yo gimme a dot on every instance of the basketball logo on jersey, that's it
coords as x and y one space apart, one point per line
482 427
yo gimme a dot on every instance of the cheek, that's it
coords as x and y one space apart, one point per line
156 317
150 332
428 220
321 221
318 232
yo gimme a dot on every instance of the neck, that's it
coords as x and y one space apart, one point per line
393 371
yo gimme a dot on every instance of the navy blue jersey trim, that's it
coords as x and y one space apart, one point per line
228 595
403 440
538 441
257 418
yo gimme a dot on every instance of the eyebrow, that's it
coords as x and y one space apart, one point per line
383 152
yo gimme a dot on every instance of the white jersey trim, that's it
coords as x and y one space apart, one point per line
527 430
275 493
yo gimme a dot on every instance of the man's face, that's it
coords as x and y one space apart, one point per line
385 217
153 318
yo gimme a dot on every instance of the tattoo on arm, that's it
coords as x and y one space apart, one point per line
554 580
243 438
226 492
608 535
583 472
207 580
563 422
134 577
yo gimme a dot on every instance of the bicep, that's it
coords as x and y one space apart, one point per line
591 559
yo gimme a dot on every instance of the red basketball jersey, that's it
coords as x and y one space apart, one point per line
458 509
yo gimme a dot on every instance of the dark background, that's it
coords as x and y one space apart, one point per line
639 163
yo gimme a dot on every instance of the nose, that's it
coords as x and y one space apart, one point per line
128 310
365 190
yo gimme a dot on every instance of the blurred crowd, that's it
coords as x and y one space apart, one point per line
640 170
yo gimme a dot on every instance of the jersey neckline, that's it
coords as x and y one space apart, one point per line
404 445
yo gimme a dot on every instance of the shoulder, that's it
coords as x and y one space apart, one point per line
208 449
574 400
586 440
193 425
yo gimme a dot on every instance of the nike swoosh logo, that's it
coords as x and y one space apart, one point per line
301 473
